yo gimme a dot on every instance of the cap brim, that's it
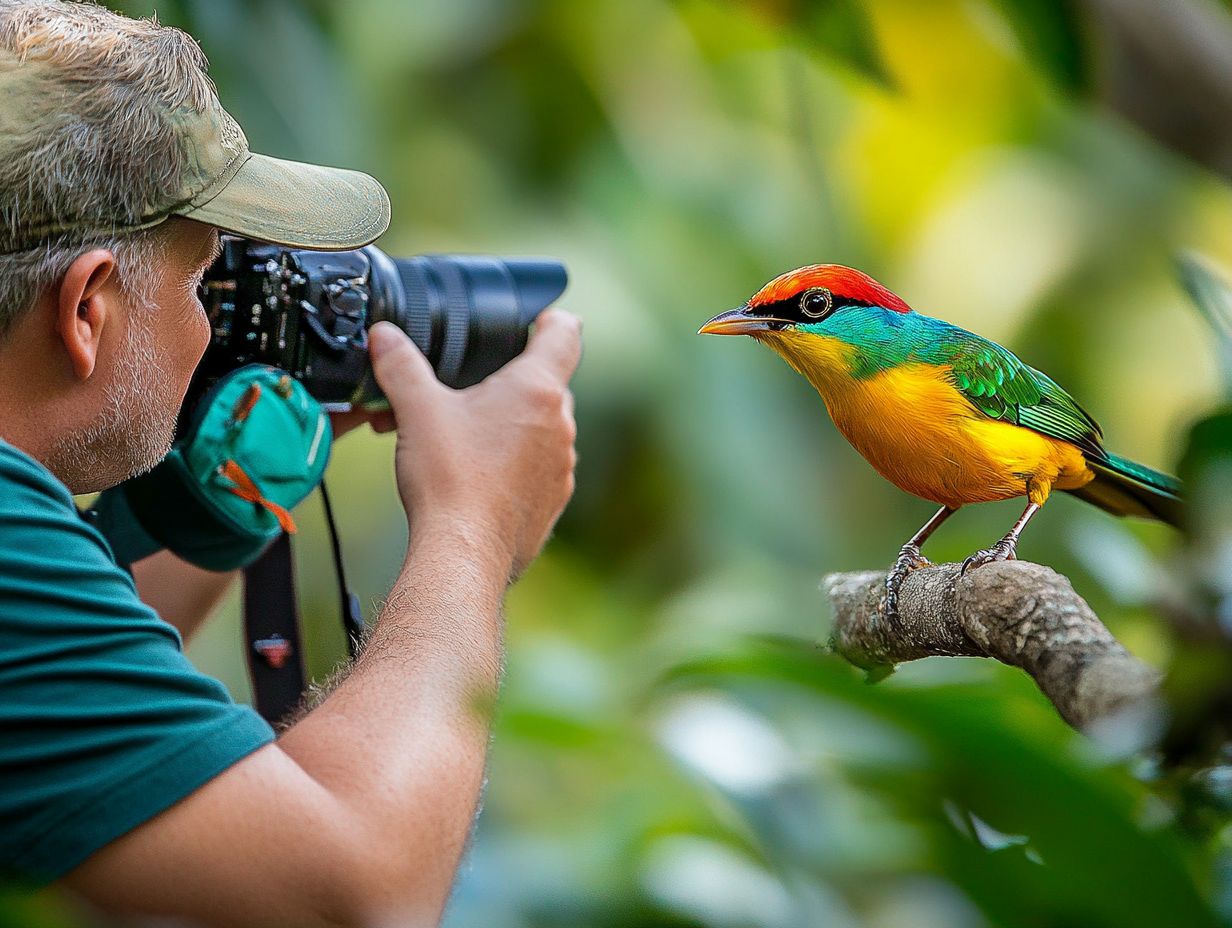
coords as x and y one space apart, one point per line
298 205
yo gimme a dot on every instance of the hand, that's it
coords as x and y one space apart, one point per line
496 458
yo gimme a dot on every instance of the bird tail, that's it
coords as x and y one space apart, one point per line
1127 488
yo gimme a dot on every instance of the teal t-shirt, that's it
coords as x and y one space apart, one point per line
103 721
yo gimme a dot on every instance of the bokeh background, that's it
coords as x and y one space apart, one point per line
673 746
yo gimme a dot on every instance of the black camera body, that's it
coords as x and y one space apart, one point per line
308 313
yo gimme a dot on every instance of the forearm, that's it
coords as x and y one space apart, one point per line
402 741
180 593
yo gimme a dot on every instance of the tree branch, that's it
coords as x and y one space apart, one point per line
1021 614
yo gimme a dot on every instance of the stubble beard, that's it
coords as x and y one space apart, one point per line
135 427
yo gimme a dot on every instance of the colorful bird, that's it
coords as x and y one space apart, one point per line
939 411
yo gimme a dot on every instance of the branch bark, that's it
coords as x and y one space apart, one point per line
1019 613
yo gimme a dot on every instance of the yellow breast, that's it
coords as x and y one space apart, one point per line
921 434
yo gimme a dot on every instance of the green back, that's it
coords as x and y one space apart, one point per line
995 382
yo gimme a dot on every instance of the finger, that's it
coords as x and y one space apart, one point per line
556 343
343 422
400 367
383 422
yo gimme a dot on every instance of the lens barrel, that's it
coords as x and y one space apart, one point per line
468 313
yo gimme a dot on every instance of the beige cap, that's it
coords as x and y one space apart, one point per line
221 183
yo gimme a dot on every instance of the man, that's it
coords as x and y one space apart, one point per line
125 773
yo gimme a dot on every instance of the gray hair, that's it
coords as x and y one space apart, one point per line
26 275
99 146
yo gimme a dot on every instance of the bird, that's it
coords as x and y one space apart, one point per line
940 412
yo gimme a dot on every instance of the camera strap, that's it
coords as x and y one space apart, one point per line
352 617
271 622
271 627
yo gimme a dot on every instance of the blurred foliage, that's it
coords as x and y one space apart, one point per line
1050 33
651 764
1200 688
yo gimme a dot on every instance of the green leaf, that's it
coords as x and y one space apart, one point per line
839 29
842 28
1209 290
1050 34
988 758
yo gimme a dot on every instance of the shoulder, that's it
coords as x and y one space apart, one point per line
39 522
24 480
106 722
56 570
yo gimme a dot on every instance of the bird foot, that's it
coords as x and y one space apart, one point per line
1004 550
909 559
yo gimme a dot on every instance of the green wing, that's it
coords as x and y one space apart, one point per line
1003 387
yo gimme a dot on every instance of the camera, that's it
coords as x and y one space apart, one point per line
308 313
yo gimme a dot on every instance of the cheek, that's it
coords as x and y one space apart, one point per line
192 331
185 338
199 331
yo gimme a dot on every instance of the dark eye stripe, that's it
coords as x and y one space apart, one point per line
790 308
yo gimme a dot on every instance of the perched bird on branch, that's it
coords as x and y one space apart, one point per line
939 411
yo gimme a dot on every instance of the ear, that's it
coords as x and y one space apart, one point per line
82 308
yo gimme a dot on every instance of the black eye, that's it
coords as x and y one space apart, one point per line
816 302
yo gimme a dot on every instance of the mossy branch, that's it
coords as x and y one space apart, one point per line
1019 613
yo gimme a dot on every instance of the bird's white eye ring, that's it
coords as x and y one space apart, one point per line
816 302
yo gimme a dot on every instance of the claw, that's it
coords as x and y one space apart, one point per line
1004 550
909 559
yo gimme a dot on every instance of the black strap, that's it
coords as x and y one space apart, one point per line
352 618
271 630
271 622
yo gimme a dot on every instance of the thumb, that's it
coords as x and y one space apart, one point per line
400 368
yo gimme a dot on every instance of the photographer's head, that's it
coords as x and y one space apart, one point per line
111 139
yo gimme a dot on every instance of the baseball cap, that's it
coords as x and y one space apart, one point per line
221 182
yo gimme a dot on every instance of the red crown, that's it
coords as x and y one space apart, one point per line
840 280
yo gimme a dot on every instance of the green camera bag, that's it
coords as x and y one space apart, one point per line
256 444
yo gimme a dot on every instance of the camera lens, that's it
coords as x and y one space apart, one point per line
307 312
469 314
